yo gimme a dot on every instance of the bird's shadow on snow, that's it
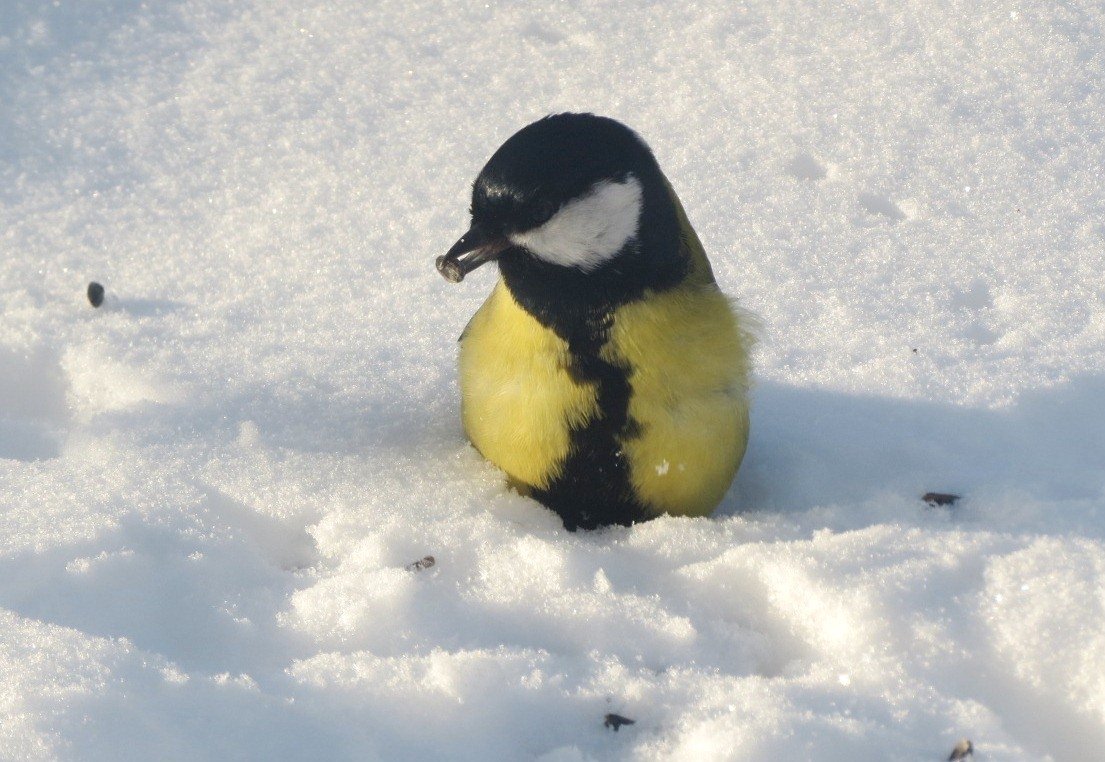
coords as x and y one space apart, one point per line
810 449
813 448
838 454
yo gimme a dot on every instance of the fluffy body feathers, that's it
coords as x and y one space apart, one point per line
606 374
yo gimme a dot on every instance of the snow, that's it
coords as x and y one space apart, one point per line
211 488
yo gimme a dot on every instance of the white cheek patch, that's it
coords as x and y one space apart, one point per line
590 229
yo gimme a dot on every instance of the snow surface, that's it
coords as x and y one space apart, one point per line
211 488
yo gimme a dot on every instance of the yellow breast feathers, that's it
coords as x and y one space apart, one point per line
688 379
688 365
518 403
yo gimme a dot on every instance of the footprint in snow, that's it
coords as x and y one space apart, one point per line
807 168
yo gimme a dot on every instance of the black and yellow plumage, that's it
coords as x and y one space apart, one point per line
606 374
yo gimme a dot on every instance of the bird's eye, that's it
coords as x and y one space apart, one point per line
543 212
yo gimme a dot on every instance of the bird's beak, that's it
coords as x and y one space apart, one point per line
474 248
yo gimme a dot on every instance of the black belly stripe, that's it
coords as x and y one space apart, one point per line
594 487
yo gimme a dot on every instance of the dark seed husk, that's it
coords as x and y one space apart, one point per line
423 563
95 294
962 750
615 721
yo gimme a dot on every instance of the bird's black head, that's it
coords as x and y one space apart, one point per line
576 210
552 162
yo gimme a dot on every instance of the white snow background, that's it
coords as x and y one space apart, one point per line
211 487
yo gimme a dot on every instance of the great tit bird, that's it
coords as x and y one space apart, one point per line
606 374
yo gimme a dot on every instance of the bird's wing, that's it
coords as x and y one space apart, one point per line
692 246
